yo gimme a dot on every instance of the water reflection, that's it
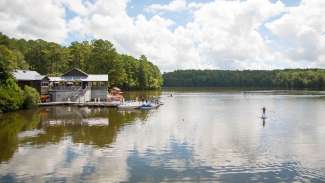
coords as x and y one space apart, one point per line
207 136
142 94
180 164
93 126
10 125
263 122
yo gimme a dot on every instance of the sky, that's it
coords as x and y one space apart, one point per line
182 34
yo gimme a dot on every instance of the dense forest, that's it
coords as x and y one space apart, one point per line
94 57
285 79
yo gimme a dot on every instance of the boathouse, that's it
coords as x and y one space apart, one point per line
78 86
32 79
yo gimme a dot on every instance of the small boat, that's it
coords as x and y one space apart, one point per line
129 105
148 106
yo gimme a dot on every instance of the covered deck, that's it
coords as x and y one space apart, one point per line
78 86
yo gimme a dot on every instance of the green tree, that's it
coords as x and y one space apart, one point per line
36 56
143 72
31 97
130 65
104 59
101 57
11 96
10 60
79 53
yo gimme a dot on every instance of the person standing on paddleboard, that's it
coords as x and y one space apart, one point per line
263 112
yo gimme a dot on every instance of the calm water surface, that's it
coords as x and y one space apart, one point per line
213 136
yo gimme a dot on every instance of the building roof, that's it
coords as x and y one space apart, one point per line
91 77
27 75
75 72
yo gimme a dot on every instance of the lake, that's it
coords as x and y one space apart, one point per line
197 135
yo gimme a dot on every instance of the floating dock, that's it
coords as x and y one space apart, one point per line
86 104
94 104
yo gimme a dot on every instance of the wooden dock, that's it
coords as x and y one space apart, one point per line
86 104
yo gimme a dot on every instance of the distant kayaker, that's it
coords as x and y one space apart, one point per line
263 112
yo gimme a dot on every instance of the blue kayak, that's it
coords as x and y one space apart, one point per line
149 106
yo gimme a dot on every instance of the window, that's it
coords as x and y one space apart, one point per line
44 84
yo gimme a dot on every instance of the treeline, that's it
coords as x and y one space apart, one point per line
285 79
94 57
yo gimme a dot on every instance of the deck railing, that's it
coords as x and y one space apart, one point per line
65 88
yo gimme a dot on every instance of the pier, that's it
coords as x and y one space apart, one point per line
82 104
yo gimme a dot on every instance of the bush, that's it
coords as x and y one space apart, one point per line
31 97
11 96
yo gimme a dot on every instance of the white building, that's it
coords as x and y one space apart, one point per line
78 86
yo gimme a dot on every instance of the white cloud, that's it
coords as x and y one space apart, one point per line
77 6
172 6
75 25
227 33
195 5
223 34
203 43
302 30
33 19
